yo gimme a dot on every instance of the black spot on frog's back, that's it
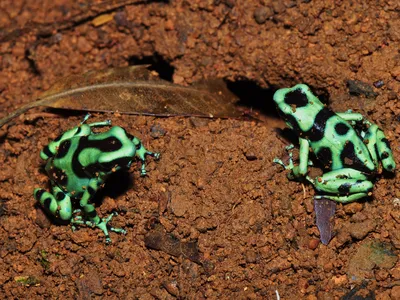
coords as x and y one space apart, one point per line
341 128
296 98
325 157
351 160
63 149
317 131
108 144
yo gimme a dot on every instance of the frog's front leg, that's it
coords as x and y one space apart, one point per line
344 185
58 203
90 212
302 169
141 153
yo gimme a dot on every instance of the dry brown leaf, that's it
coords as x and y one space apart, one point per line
135 90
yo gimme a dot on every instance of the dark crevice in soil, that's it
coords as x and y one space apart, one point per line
252 96
157 63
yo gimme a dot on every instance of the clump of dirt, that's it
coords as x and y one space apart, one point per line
215 187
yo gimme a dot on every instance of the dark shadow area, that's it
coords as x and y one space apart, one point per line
157 63
253 97
117 184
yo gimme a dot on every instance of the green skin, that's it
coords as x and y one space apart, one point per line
348 146
79 162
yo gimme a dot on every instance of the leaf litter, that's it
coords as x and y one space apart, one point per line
135 90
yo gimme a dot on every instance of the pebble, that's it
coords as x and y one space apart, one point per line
83 45
261 14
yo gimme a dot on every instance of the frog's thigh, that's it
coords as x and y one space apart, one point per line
343 186
58 203
384 151
88 208
350 116
304 153
343 199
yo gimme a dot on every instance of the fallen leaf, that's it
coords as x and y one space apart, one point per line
135 90
324 211
157 239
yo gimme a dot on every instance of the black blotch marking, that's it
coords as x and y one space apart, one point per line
359 181
325 156
386 142
344 188
109 144
122 161
341 128
91 190
63 149
78 131
39 194
296 98
293 122
57 139
138 146
384 155
317 131
60 196
91 214
351 160
46 150
47 203
389 167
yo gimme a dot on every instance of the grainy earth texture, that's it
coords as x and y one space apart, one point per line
215 185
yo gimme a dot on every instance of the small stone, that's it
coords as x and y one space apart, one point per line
313 244
395 292
157 131
250 156
83 45
251 257
261 14
352 208
169 25
361 230
172 287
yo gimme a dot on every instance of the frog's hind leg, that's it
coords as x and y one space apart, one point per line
141 153
301 170
57 203
378 145
91 217
344 185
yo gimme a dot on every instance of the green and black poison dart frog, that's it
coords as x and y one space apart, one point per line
348 146
78 163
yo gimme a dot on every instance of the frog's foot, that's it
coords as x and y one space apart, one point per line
289 166
103 225
345 185
95 124
141 153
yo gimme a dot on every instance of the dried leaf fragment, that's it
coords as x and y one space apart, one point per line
135 90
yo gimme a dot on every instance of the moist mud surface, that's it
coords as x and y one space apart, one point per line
214 218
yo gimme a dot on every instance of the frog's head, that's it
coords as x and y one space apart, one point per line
297 106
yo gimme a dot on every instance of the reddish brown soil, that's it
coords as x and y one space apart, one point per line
215 182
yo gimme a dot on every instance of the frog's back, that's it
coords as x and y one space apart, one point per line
64 168
337 144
